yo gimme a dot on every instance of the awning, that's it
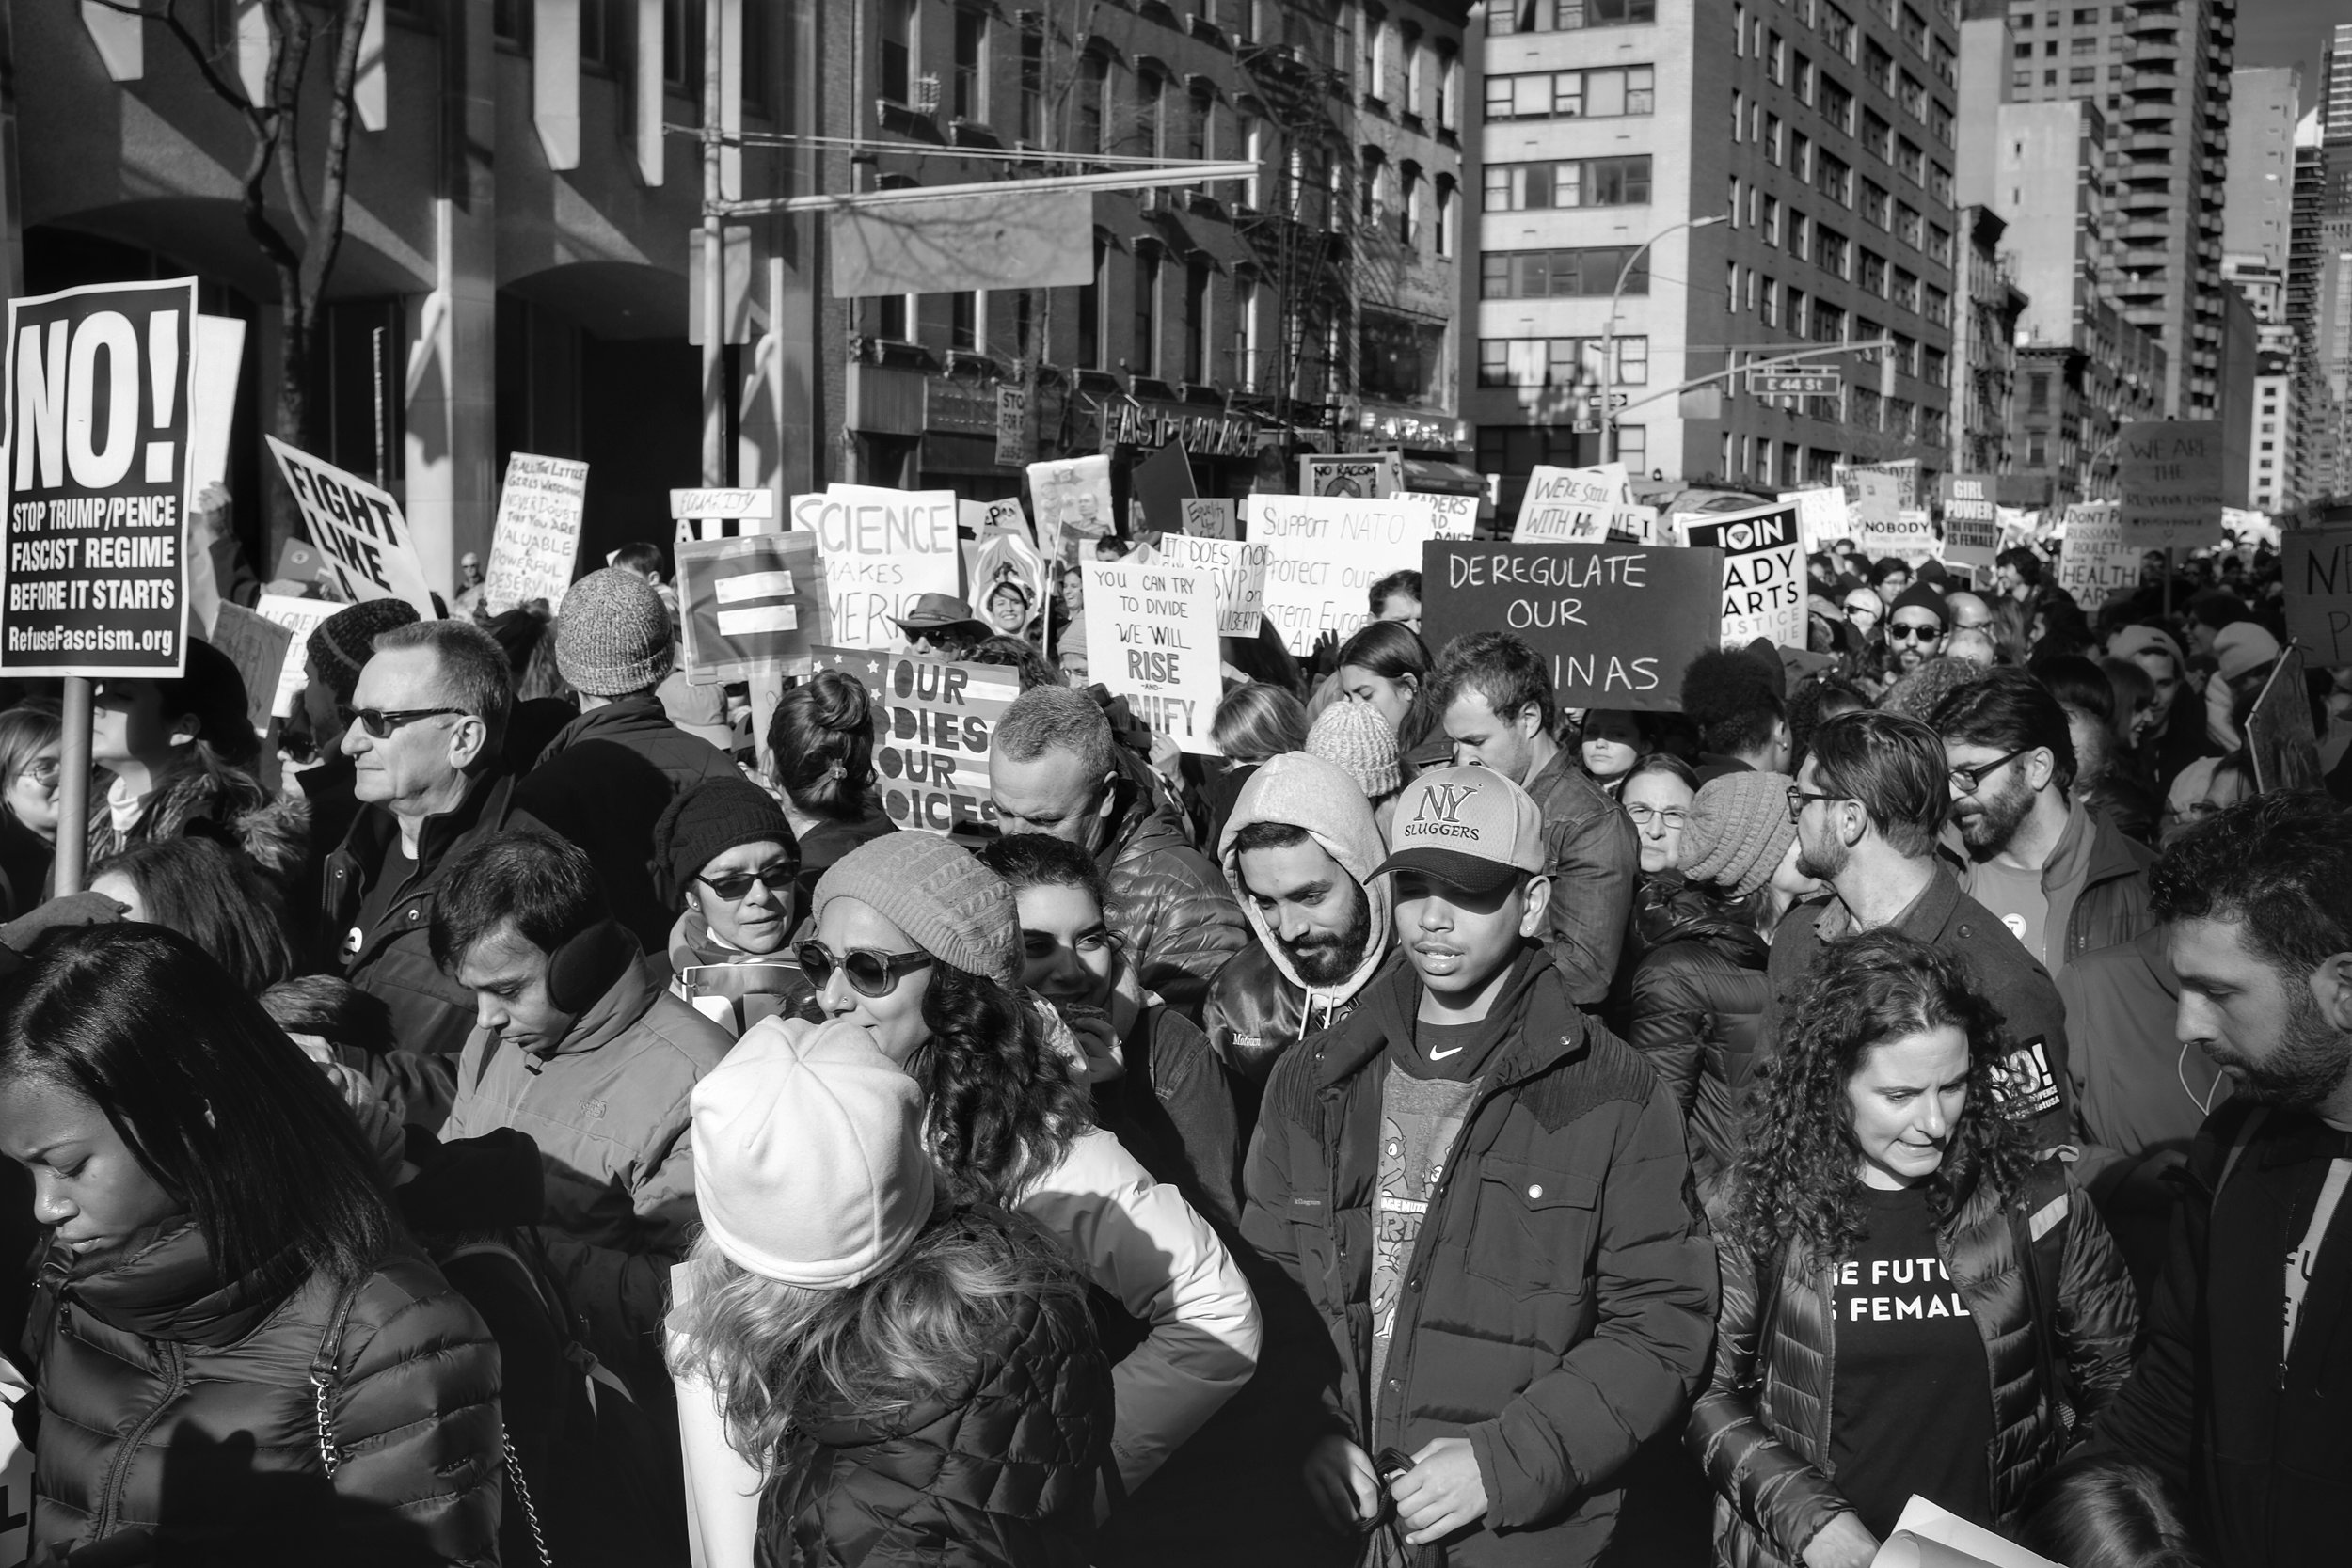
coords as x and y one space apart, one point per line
1440 478
1191 234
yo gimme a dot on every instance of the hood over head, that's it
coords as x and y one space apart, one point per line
1308 792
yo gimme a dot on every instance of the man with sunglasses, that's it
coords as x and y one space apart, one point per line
1874 793
424 730
1917 626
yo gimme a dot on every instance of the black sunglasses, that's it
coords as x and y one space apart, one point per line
870 973
733 885
379 723
1899 632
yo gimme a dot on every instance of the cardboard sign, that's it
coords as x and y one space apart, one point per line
883 549
2170 474
1873 498
219 366
1071 496
537 535
1210 518
2318 566
1010 582
1326 552
1012 426
748 606
1902 475
300 617
713 512
997 516
1972 525
1368 477
1764 582
1820 515
1619 622
2280 742
1458 516
1238 570
1152 634
2093 560
1162 483
1571 505
99 385
357 529
258 649
931 744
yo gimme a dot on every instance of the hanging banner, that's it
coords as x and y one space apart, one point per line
2170 472
960 244
881 550
1764 582
300 617
537 538
931 743
1151 638
1820 515
2093 560
1210 518
1238 569
1325 552
1071 496
1972 524
358 529
748 606
1367 476
2318 582
100 383
1619 622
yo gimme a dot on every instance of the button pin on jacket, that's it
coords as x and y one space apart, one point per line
1536 1190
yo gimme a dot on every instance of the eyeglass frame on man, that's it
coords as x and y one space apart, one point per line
1799 798
1975 773
381 724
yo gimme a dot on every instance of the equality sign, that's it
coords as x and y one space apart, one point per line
1972 523
2093 560
1152 635
1764 583
2170 474
881 549
930 746
1619 622
2318 567
748 605
537 535
1327 553
1238 570
357 528
100 383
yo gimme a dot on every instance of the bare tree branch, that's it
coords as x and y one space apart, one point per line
288 62
327 237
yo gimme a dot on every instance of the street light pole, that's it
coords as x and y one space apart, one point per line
1609 332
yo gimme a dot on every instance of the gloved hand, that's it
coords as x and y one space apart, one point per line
74 909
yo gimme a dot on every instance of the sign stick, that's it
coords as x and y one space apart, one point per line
74 785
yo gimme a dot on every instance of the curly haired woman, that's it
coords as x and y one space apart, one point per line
1911 1301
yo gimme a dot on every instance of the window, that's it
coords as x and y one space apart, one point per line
1245 305
1907 223
1592 183
963 321
1872 275
1913 96
1739 113
1560 273
1873 204
1837 104
1909 161
1091 298
1800 235
1415 53
1449 87
1558 361
1770 313
1776 60
1032 84
2024 52
1147 129
1804 80
1368 192
1444 231
970 98
1834 255
1197 337
1146 346
1571 94
1772 220
1939 246
1199 108
1409 206
1773 140
1835 180
1094 85
2086 43
1801 156
1877 136
1731 287
1838 28
1633 447
896 50
1566 16
1796 311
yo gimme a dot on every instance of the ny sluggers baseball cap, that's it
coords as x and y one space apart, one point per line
1468 827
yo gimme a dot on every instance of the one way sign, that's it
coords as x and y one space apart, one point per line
749 606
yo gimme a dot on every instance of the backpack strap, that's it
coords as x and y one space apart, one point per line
2252 1125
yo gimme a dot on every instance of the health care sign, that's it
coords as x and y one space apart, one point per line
100 380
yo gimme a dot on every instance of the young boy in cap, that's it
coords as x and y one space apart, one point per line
1483 1200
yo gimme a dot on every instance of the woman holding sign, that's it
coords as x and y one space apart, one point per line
1912 1302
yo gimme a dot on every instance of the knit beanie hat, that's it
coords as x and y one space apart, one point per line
946 902
613 638
1917 596
1353 737
1739 830
2243 647
706 822
341 645
809 1162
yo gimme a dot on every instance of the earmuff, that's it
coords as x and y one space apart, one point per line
584 968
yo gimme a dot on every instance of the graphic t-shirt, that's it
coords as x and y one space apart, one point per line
1910 1394
1420 1120
2015 895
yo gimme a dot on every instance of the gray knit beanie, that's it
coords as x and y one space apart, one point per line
1739 830
612 637
946 902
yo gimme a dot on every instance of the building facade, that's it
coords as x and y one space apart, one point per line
1984 355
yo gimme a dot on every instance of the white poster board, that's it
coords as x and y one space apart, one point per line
1071 496
369 551
301 617
1238 569
1151 639
2093 560
881 549
1325 552
1764 581
1820 516
536 539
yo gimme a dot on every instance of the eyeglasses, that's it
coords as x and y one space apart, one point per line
1903 631
43 771
1671 816
869 972
733 885
378 723
1861 612
1797 799
1966 780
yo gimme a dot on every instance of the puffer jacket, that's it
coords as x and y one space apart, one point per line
998 1470
179 1403
1761 1431
1698 1003
1594 857
1168 904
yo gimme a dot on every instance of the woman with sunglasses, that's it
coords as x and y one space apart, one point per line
28 823
920 945
724 851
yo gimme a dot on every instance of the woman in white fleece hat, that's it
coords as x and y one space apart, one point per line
918 1383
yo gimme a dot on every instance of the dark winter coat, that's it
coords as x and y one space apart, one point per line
1255 1013
1173 1108
1169 905
273 830
431 1013
604 781
1697 1001
998 1471
1593 855
25 862
1557 1305
178 1402
1761 1431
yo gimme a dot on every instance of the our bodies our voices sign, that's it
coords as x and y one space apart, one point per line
100 380
930 742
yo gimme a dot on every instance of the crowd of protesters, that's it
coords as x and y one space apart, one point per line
531 1118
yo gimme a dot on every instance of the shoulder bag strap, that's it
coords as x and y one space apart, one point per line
325 1374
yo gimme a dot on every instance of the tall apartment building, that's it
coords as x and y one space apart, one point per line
1829 219
2258 222
1984 352
2160 69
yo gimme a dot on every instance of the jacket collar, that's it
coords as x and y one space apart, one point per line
169 1289
375 828
625 1002
1925 919
1541 1025
640 710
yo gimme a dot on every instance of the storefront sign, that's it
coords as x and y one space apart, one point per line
1126 422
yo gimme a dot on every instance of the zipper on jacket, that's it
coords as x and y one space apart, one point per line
175 1383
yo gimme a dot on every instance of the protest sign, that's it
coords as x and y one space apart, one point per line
1008 583
881 549
1210 518
1071 496
1972 525
1820 515
2318 582
712 512
2280 738
1571 505
1152 635
537 538
100 381
930 746
298 561
1764 583
1902 475
1618 622
997 516
748 606
1327 551
357 529
1456 517
259 648
300 617
2170 474
1363 477
1238 568
1874 519
219 365
1162 483
2093 560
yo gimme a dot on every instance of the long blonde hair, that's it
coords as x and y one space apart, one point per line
776 1353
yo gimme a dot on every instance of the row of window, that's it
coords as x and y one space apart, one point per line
1772 303
1515 450
1566 16
1567 362
1573 182
1561 274
1572 94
